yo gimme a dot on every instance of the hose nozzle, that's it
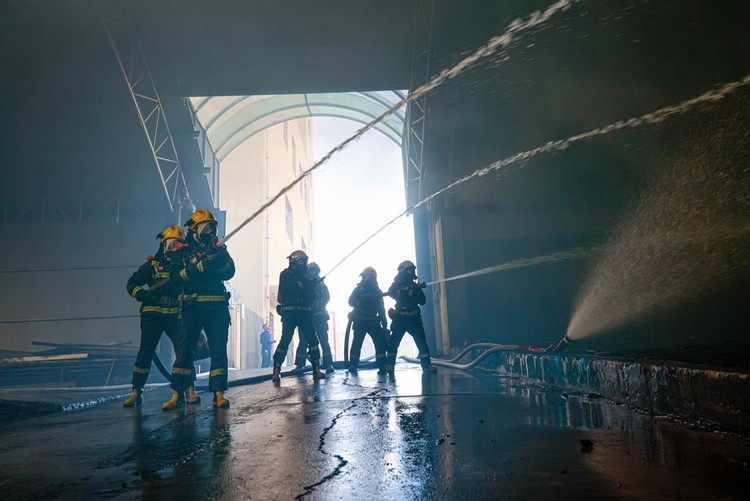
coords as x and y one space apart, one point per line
562 345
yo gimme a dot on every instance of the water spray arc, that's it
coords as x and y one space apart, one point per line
522 263
561 144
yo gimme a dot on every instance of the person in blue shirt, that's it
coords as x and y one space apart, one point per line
266 345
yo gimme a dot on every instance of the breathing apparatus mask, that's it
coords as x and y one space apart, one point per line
206 232
173 245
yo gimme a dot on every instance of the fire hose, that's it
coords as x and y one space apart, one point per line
490 348
201 352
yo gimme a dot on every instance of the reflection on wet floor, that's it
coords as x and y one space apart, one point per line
453 435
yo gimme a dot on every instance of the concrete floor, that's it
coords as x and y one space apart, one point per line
453 435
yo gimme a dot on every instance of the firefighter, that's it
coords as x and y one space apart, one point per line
158 308
296 297
320 319
407 316
205 305
368 317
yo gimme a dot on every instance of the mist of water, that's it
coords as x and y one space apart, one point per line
688 236
515 28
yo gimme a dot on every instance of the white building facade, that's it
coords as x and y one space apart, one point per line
253 172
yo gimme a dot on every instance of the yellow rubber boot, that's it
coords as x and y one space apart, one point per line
191 396
173 402
220 400
135 398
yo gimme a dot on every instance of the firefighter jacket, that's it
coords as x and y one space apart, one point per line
203 276
296 291
367 301
163 301
408 295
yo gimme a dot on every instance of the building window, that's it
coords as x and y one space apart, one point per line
288 218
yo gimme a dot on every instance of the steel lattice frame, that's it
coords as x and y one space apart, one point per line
132 61
416 112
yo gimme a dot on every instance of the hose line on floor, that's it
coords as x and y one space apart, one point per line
490 348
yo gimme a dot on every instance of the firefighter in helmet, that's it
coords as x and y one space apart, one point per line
159 308
320 319
368 317
407 315
205 304
296 297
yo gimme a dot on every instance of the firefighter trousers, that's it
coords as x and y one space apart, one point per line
152 327
379 340
320 324
301 320
413 325
214 320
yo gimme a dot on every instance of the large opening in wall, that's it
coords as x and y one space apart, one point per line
264 143
360 190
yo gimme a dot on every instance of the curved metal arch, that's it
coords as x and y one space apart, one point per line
230 120
281 115
328 115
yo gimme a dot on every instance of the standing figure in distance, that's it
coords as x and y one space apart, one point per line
320 321
205 304
159 309
407 316
296 298
266 344
368 317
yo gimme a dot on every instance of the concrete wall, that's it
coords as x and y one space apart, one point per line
694 393
75 274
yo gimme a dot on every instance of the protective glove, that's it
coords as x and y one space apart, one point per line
215 248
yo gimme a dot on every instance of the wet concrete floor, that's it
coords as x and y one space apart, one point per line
450 435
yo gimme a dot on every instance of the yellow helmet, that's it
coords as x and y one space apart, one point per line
368 271
200 216
406 265
173 231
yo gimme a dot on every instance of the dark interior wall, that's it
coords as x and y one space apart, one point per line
700 174
586 68
99 257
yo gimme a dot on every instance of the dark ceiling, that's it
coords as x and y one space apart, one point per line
68 123
70 128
